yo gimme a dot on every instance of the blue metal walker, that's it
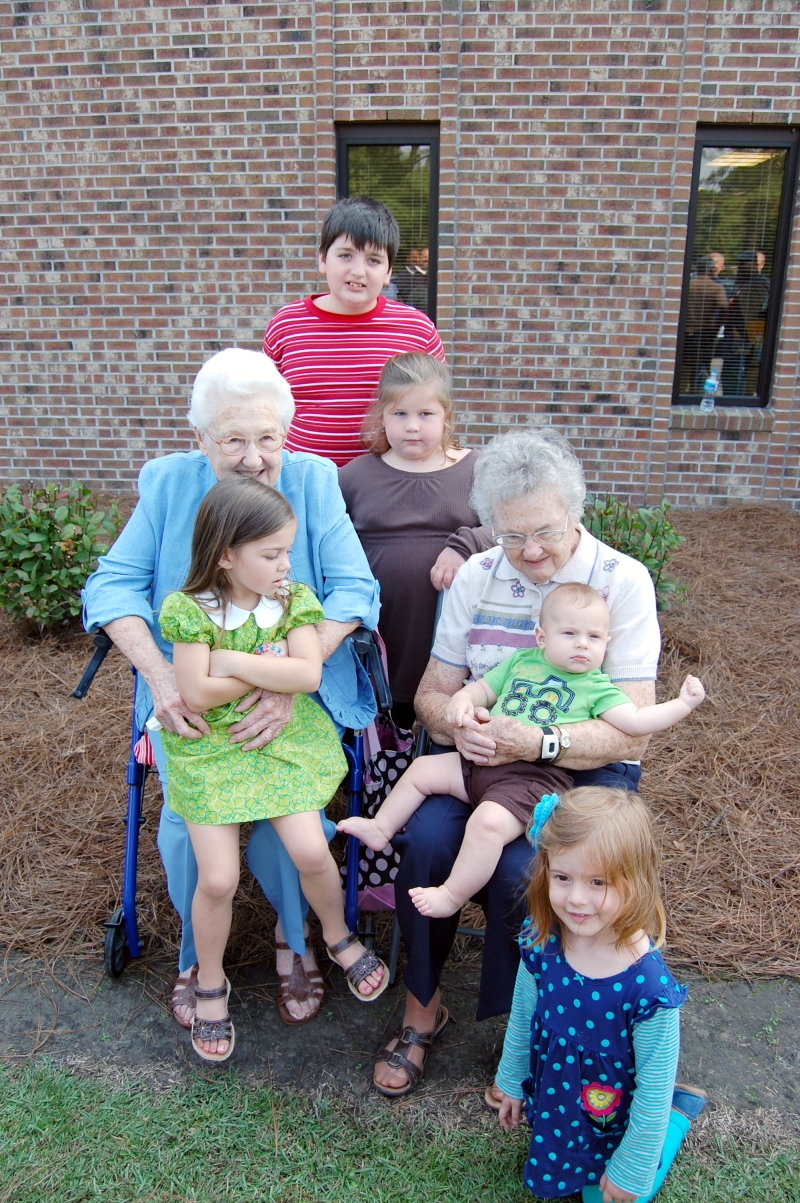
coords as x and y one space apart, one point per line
121 940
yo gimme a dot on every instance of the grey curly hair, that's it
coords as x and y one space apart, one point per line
523 462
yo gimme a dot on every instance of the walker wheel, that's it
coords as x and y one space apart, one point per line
115 945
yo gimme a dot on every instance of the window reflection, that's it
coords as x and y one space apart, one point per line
732 253
400 177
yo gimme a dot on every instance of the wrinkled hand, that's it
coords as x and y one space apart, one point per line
615 1194
497 740
510 1112
473 738
444 570
271 713
170 708
692 692
459 708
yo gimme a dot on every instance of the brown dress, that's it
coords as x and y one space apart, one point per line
404 520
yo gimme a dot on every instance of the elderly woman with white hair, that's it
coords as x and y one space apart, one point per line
529 487
240 411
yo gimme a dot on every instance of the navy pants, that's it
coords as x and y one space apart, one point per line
429 847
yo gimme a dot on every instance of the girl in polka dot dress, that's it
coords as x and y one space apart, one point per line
591 1050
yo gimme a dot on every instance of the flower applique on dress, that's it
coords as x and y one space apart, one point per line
600 1102
517 589
609 565
487 564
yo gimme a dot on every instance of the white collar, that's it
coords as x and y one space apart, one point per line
267 612
577 568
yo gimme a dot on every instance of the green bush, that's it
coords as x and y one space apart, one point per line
644 534
50 539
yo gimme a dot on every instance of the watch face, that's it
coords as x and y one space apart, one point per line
566 742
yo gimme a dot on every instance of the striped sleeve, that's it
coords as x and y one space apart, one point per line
514 1065
332 363
656 1045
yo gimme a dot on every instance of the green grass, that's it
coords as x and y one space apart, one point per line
734 1174
69 1139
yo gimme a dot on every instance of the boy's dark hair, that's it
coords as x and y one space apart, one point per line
366 222
235 511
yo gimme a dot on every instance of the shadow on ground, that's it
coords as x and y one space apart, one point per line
740 1043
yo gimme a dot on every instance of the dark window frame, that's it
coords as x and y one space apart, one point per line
398 133
747 137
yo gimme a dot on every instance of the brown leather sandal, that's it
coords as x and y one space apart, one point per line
366 964
298 986
183 995
213 1029
396 1058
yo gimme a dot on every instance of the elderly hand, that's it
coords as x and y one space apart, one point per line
473 738
615 1194
497 740
170 708
271 713
510 1112
444 570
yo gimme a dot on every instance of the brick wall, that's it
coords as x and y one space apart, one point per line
167 167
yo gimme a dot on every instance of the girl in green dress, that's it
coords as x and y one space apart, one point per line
239 625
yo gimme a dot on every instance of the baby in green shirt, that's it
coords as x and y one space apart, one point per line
558 681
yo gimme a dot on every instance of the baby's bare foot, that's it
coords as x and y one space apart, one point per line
366 830
435 902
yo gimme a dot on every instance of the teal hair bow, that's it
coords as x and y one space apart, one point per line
541 814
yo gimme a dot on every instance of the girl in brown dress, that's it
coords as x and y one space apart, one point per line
409 503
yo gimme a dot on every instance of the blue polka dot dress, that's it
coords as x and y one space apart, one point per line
582 1072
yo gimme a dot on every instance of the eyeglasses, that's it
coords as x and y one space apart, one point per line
265 444
542 537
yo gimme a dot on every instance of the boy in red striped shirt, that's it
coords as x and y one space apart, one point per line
332 346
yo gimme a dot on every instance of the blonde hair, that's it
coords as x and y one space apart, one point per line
617 830
572 593
400 374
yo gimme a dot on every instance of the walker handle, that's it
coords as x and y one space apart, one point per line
103 646
367 651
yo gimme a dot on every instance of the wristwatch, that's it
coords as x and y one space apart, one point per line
565 742
551 746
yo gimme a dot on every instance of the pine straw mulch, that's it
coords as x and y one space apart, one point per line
723 785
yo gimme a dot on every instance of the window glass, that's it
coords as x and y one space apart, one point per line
729 295
401 175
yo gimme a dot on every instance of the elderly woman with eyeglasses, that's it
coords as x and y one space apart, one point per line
529 487
241 409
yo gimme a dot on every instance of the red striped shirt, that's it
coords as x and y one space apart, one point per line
332 362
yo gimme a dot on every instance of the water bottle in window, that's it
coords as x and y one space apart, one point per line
709 393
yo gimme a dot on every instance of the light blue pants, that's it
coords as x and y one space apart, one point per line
676 1131
267 859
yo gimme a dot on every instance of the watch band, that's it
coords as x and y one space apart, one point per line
551 746
565 743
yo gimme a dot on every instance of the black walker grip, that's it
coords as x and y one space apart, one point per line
103 646
369 654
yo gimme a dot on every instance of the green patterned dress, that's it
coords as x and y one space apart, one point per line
211 780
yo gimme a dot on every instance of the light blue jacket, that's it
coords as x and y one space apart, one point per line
151 559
